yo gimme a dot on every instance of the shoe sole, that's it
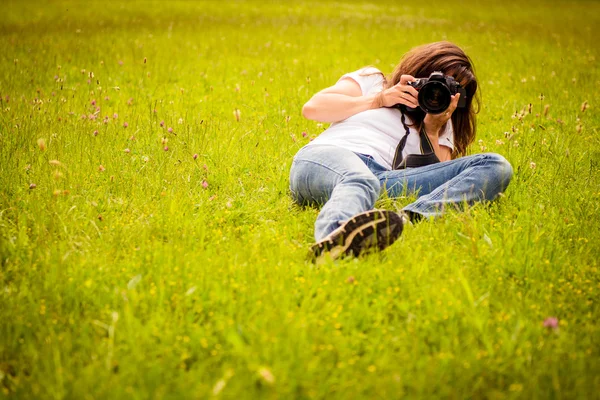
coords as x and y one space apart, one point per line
368 230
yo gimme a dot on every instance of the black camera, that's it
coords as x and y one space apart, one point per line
435 92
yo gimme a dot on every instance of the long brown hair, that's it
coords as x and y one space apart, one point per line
450 60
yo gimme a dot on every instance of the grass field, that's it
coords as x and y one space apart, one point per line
149 247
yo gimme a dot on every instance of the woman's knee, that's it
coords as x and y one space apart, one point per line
499 171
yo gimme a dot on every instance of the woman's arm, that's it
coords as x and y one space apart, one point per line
345 99
442 152
338 102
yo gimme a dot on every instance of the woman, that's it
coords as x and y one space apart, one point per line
376 122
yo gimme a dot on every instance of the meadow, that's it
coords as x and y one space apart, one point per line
149 247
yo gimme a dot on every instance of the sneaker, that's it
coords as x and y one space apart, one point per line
368 230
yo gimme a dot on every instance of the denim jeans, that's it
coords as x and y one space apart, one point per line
347 183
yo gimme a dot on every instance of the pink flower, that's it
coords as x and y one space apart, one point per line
170 130
95 133
551 323
101 168
195 156
127 151
93 102
32 186
115 115
204 184
125 125
304 134
166 148
162 124
121 62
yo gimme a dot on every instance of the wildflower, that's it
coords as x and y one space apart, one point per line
204 184
166 148
32 186
121 62
42 144
205 167
266 375
499 142
350 279
304 134
115 116
170 130
127 151
237 114
93 102
145 159
101 168
164 140
130 101
162 124
541 97
532 165
516 143
180 121
229 205
195 156
125 125
551 323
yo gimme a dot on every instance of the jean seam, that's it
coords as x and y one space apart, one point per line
320 165
440 195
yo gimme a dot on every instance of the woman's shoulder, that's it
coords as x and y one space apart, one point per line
368 78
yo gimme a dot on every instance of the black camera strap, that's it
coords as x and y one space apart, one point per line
426 157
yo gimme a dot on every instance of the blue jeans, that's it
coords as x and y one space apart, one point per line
347 183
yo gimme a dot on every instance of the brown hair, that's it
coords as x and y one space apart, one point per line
450 60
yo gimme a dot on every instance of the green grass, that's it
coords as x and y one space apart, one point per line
135 281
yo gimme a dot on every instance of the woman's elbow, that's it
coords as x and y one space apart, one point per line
308 111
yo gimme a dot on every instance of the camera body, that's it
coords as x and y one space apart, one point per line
435 91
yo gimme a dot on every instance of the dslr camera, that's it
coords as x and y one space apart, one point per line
435 92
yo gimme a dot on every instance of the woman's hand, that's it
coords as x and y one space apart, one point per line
401 93
435 122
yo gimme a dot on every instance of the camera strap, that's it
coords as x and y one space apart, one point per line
426 157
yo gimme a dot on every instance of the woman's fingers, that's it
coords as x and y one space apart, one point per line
409 100
404 79
453 104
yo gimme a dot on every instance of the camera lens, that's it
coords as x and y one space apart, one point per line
434 97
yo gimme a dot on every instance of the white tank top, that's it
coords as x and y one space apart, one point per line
376 132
